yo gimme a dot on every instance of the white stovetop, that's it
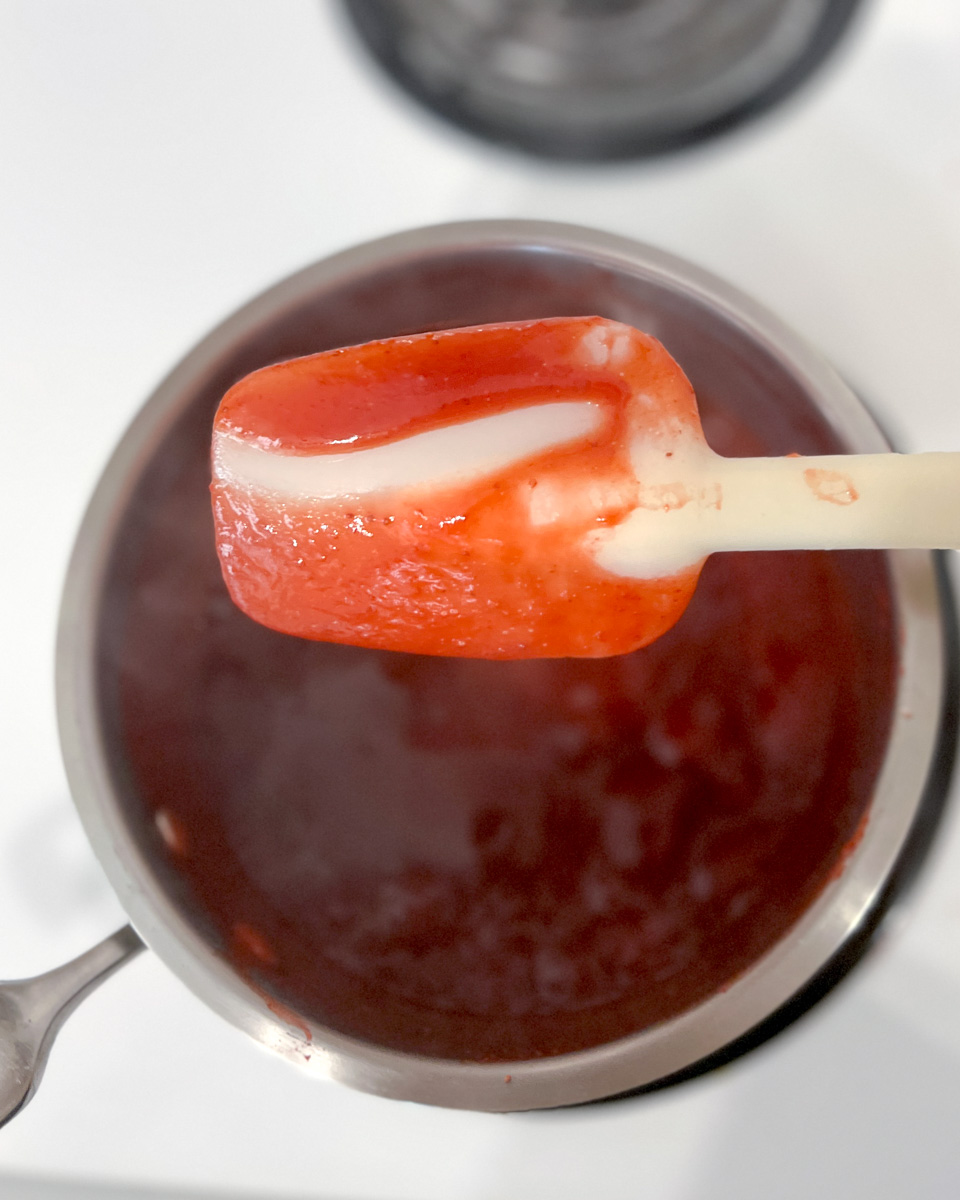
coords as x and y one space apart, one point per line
160 163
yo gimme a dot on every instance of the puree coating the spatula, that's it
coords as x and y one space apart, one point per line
443 493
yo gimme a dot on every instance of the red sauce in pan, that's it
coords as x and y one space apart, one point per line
492 861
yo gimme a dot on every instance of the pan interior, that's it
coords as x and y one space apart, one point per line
485 861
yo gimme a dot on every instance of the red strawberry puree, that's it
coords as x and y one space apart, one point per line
456 570
492 860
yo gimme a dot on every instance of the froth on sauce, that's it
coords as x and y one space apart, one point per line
491 861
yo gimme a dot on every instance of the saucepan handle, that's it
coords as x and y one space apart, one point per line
32 1011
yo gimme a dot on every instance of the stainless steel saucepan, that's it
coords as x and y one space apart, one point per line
444 276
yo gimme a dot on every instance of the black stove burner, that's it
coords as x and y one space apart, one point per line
593 80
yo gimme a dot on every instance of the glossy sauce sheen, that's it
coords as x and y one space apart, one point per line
493 861
453 570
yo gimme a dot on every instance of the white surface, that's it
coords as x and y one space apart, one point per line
161 162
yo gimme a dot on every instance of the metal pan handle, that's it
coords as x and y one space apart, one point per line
32 1011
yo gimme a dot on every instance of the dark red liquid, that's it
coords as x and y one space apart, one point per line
502 860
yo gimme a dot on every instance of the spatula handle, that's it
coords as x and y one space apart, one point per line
832 502
869 501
